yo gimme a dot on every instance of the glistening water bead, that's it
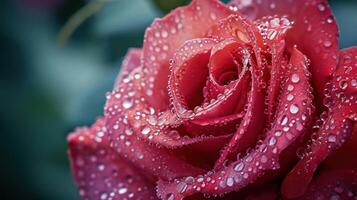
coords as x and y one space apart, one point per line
294 108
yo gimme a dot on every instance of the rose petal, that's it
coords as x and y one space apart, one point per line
265 157
166 35
131 61
335 131
251 125
214 126
328 141
185 69
101 173
337 176
189 73
126 97
274 35
315 32
332 184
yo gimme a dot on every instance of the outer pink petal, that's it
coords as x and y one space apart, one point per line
131 61
100 173
341 99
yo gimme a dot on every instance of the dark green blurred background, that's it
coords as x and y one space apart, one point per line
46 89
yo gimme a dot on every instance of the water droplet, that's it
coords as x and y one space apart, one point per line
115 126
329 20
146 130
275 22
152 120
327 43
127 103
331 138
170 196
343 84
242 36
278 133
103 196
230 181
128 132
239 167
290 97
284 120
295 78
272 34
122 190
131 195
294 108
272 141
164 34
321 7
101 167
290 88
189 180
181 187
303 117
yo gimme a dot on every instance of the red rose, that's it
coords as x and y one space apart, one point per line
250 100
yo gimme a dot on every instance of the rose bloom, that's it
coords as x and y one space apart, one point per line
250 100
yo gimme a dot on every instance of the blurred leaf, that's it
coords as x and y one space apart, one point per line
124 16
166 6
346 15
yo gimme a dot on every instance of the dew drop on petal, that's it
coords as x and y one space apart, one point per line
321 7
331 138
127 103
230 181
295 78
101 167
329 20
284 120
290 87
327 43
122 190
343 84
181 187
290 97
239 167
294 108
278 133
170 196
103 196
146 130
272 141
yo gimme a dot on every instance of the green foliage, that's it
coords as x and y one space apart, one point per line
167 5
